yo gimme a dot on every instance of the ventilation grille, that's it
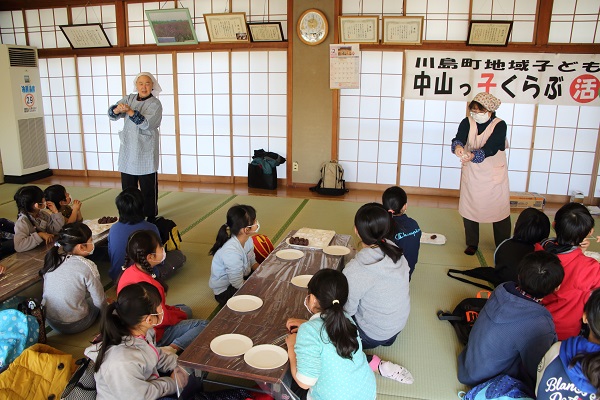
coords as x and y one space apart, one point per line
32 136
22 57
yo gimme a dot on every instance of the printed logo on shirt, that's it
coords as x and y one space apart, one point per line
557 387
402 235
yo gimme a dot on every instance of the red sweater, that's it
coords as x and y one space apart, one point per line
172 315
582 276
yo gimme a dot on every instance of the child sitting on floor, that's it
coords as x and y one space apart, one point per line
572 224
73 292
572 368
513 330
233 252
127 361
144 252
57 198
130 204
325 352
34 227
531 227
407 233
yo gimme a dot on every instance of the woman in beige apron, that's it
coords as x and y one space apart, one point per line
480 143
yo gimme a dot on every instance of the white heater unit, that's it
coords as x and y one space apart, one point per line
22 132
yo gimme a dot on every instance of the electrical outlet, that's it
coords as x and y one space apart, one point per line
295 166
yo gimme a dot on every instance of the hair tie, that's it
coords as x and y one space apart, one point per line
391 211
382 240
56 244
336 301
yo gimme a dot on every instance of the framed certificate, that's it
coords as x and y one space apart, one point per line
489 33
402 30
359 29
172 26
266 31
227 27
85 36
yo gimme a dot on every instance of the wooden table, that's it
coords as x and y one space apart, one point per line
22 269
282 300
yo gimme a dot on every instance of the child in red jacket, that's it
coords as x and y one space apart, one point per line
572 223
175 330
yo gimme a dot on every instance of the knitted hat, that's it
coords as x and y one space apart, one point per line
489 101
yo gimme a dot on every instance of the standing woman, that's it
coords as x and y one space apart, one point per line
484 192
138 154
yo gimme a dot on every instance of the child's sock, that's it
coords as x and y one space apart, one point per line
374 362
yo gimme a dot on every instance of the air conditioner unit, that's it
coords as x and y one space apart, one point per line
22 132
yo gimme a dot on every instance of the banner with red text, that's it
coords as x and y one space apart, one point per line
567 79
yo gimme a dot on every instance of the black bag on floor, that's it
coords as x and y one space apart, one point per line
257 178
82 385
169 233
464 315
483 273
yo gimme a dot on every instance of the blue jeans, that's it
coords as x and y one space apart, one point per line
184 333
368 343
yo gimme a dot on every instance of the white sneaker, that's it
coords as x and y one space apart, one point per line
396 372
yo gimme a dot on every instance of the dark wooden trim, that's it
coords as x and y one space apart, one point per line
542 26
511 48
335 93
154 49
290 89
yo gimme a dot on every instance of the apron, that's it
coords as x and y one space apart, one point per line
484 190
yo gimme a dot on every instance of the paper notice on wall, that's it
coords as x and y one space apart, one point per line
344 66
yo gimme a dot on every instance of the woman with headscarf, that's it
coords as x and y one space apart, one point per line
138 153
484 192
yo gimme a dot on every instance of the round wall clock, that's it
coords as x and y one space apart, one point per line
312 27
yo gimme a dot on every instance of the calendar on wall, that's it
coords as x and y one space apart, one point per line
344 66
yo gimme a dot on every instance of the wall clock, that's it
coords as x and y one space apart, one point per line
312 27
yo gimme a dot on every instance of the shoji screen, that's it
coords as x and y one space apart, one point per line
369 126
575 21
12 28
61 113
43 27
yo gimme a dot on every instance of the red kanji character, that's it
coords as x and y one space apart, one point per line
584 88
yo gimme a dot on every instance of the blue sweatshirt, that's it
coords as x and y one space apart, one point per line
555 375
117 243
510 336
408 239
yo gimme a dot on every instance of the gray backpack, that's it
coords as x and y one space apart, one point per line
332 181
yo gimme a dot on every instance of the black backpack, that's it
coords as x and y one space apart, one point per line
169 233
464 315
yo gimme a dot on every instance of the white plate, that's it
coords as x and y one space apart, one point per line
244 303
427 238
289 254
301 280
266 356
231 345
336 250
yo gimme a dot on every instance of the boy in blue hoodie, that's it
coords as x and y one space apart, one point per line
571 369
513 330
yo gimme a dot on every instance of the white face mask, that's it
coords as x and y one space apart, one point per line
164 255
480 118
93 247
162 317
306 304
257 227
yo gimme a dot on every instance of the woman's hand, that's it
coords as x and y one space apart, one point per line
467 157
459 151
293 324
47 237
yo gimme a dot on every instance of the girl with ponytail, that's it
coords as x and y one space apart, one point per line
127 361
378 279
34 227
571 368
325 352
144 251
73 293
233 252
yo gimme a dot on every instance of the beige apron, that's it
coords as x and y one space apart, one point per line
484 190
